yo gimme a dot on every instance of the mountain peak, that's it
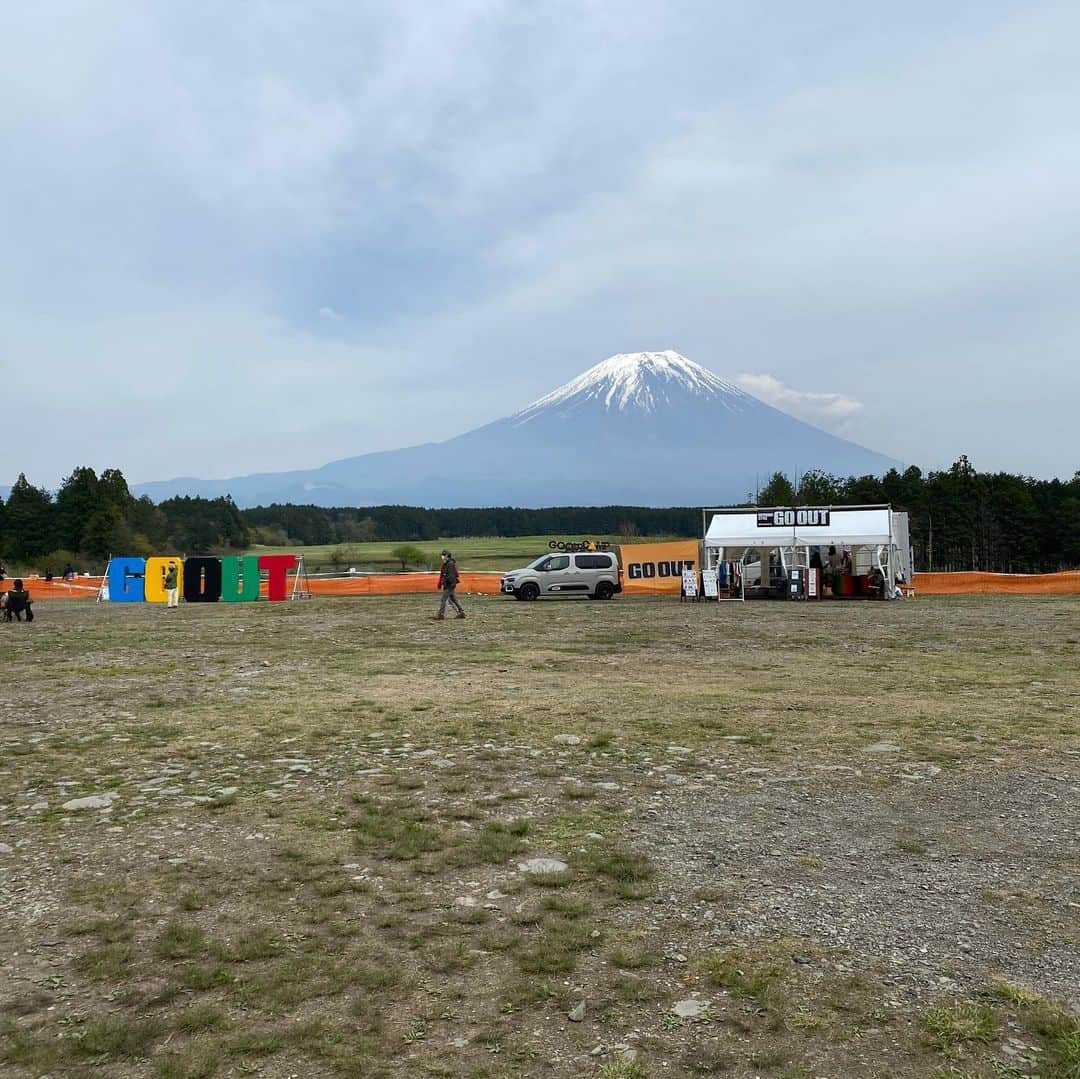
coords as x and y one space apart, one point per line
641 381
637 429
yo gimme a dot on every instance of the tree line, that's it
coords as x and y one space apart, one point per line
960 519
92 516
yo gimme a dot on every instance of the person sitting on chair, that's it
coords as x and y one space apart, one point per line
18 600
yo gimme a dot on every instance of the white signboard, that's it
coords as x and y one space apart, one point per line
689 583
708 584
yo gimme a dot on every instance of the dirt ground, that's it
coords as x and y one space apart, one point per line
302 839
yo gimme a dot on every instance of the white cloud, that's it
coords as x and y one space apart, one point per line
439 213
829 410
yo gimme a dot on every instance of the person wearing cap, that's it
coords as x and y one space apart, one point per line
172 574
448 582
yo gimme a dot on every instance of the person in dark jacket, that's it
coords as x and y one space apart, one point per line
448 582
18 602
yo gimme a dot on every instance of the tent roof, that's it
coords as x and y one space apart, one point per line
852 527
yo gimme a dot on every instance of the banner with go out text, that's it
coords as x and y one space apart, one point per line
656 568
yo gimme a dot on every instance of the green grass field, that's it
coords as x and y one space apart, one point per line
792 840
472 553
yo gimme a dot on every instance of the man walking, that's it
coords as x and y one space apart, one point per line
171 576
448 582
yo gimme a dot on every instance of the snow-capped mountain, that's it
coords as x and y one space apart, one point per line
647 381
642 428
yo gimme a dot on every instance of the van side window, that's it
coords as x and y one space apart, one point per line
593 561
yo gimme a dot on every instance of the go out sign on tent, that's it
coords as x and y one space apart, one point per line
790 518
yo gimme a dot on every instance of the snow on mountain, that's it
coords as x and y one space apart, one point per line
642 428
641 380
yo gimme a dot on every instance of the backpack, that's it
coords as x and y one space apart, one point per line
450 575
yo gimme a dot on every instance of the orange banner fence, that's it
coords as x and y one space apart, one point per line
39 588
375 584
390 584
1017 584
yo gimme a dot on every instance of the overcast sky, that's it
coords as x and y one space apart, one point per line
264 236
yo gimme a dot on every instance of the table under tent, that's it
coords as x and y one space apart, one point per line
798 553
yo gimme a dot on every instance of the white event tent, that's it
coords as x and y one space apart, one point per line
873 535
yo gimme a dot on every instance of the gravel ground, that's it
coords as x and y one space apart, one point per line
949 880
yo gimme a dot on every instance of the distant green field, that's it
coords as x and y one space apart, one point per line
472 553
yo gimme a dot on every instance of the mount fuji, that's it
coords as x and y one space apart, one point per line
643 429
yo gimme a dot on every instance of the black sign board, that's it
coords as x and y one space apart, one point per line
580 545
803 515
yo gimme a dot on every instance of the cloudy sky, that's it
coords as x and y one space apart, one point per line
265 236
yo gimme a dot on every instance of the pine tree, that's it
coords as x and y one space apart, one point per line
29 521
77 501
777 492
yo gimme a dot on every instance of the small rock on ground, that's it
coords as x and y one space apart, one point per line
882 747
690 1008
543 865
92 801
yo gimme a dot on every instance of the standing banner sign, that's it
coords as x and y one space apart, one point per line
708 584
689 583
657 568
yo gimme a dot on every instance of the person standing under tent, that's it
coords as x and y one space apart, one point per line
172 575
831 576
875 583
448 582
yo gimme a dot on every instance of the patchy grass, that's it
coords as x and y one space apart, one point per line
761 973
622 1069
958 1024
499 841
117 1037
355 909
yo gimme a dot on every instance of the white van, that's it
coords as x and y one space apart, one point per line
595 574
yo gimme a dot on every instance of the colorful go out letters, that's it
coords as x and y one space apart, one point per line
201 579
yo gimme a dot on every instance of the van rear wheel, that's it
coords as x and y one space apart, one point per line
604 590
529 591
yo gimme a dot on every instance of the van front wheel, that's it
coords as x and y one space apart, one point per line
604 590
529 591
